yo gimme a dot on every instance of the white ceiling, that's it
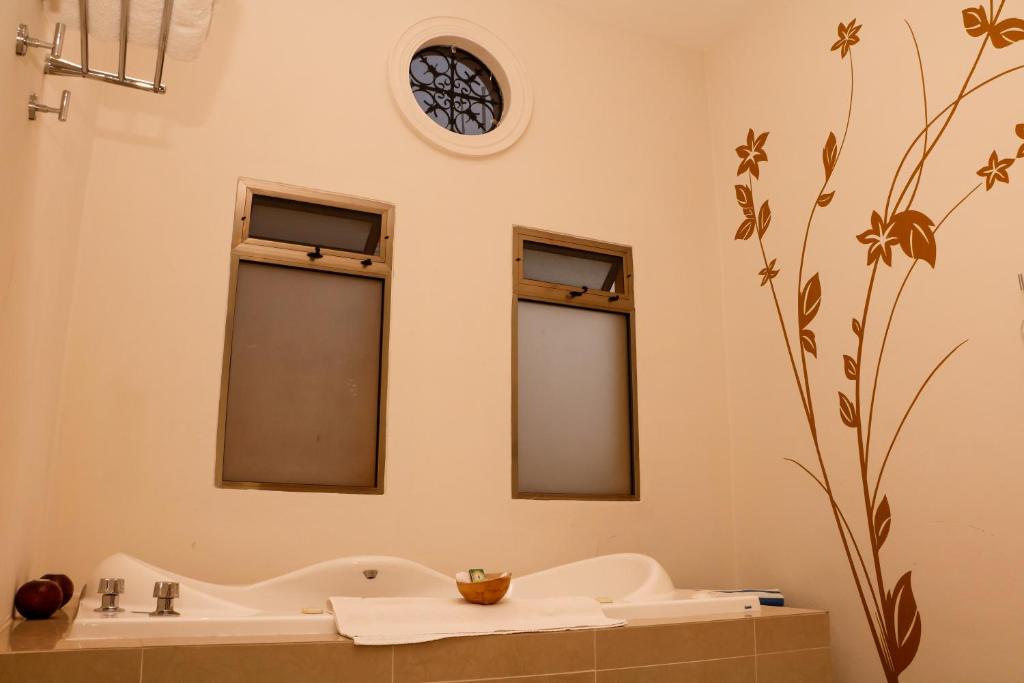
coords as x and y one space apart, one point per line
694 24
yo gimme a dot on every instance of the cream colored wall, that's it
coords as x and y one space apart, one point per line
42 180
954 483
616 151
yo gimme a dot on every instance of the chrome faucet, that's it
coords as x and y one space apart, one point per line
110 591
165 592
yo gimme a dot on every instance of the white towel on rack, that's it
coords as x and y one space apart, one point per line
190 22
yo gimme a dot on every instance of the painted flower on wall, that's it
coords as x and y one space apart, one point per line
847 38
752 154
890 608
880 240
768 273
996 170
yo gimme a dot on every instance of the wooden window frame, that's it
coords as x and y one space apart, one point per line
524 289
245 248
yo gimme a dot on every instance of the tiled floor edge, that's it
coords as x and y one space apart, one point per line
690 661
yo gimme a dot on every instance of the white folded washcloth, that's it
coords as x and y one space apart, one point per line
190 22
394 621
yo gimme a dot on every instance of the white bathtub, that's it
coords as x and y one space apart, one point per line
629 586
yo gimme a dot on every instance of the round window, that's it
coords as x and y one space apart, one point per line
456 90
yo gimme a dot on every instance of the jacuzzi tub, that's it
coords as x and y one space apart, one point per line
629 586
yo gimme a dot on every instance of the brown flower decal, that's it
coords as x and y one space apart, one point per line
898 227
995 170
752 153
880 239
847 37
768 273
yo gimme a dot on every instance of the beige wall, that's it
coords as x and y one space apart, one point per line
42 181
616 151
954 481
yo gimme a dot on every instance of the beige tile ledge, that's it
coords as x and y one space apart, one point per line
716 649
766 611
49 634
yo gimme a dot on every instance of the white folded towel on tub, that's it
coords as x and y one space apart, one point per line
394 621
190 22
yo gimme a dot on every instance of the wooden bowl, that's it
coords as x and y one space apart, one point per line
486 592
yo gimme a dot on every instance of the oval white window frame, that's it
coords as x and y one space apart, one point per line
515 89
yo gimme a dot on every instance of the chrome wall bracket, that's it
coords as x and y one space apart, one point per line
23 41
62 111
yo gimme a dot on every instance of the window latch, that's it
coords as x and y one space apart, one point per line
315 254
574 294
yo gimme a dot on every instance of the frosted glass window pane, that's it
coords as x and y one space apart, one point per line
574 398
574 267
314 225
304 379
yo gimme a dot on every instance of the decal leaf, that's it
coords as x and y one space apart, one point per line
847 411
976 21
829 155
746 229
810 301
904 623
1006 33
1020 133
825 199
809 342
914 232
743 196
856 328
883 520
850 367
764 219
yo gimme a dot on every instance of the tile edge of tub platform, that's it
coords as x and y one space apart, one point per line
726 647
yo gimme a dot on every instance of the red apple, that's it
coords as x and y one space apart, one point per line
38 599
67 586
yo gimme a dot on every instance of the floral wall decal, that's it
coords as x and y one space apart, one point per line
898 236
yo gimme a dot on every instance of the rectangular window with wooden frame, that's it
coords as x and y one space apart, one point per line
304 381
574 432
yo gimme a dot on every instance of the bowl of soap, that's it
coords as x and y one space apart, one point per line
481 588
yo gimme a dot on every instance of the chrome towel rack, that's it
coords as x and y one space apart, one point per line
57 65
